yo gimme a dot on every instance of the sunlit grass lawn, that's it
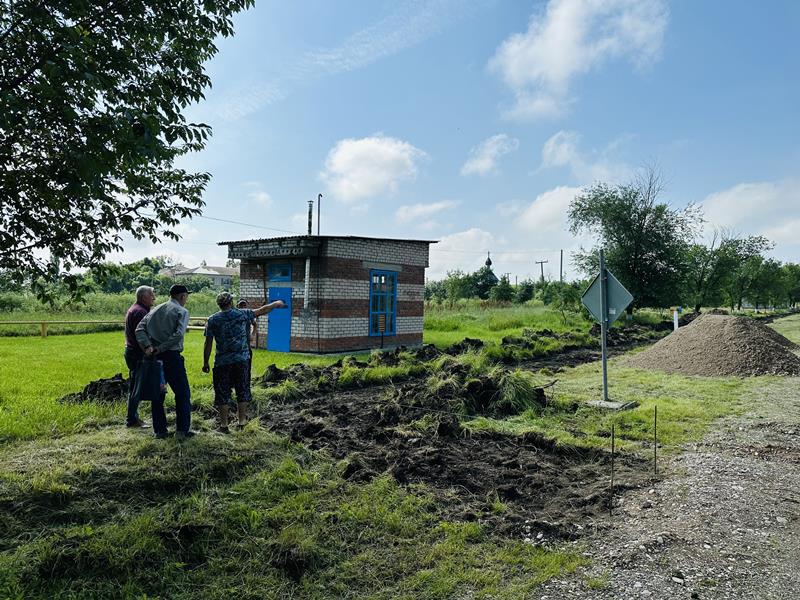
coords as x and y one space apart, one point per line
686 407
789 327
36 372
444 326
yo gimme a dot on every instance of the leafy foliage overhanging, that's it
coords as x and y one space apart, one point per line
92 95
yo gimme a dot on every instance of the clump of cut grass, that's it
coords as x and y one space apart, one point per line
519 391
286 391
353 376
442 383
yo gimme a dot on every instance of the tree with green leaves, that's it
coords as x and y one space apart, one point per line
743 258
459 285
645 240
503 291
435 290
768 287
525 291
92 101
485 280
791 274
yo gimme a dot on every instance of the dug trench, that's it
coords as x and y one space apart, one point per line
514 484
551 489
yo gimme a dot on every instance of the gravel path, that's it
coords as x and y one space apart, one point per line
724 523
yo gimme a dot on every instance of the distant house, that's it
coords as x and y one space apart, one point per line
221 277
343 293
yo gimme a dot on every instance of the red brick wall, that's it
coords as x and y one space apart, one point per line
349 268
350 344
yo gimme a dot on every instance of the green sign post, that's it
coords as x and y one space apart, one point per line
606 299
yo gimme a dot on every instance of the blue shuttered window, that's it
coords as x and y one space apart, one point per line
382 302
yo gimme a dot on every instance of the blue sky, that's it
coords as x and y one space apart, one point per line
476 122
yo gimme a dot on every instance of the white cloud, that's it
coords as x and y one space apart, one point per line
547 214
261 197
356 169
768 208
410 23
562 150
187 231
510 208
459 251
483 157
414 212
572 37
257 193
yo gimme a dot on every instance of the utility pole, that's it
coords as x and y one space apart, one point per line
541 264
561 268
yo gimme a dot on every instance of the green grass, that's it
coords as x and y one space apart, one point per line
686 407
97 307
789 327
445 327
35 372
113 513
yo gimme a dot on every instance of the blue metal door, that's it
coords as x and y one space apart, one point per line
279 331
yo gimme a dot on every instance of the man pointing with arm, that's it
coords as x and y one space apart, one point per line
230 327
161 332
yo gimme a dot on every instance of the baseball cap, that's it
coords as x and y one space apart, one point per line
224 299
178 289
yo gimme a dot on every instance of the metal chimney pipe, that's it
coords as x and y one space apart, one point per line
307 282
319 206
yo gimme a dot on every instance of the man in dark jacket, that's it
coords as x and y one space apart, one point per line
145 298
161 333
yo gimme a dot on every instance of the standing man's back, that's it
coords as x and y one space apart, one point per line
161 333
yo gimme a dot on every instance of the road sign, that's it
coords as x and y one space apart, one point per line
618 298
605 299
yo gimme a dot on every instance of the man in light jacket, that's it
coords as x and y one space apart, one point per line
161 333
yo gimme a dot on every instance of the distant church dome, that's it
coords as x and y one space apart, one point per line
488 259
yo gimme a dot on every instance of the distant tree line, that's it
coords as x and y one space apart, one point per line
658 253
114 278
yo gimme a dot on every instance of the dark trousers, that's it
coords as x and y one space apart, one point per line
175 375
132 358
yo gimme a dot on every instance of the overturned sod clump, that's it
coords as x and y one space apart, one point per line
104 391
721 345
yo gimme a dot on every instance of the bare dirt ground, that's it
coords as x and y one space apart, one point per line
723 524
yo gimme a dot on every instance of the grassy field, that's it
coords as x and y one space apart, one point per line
789 327
89 511
35 372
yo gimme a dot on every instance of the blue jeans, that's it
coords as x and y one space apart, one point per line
175 374
132 358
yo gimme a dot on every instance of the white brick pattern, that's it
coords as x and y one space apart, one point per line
403 253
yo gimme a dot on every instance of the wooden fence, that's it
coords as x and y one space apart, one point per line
43 325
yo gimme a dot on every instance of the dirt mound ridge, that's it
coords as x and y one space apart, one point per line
719 345
104 391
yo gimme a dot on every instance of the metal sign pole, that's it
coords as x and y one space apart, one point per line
604 321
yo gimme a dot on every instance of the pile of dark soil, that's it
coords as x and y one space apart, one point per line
631 335
104 391
721 345
533 476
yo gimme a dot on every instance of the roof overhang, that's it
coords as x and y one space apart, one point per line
293 247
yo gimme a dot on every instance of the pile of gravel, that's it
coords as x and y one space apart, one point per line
720 345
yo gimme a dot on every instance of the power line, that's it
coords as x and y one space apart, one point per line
248 224
502 252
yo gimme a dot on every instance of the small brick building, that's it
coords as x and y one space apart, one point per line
343 292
